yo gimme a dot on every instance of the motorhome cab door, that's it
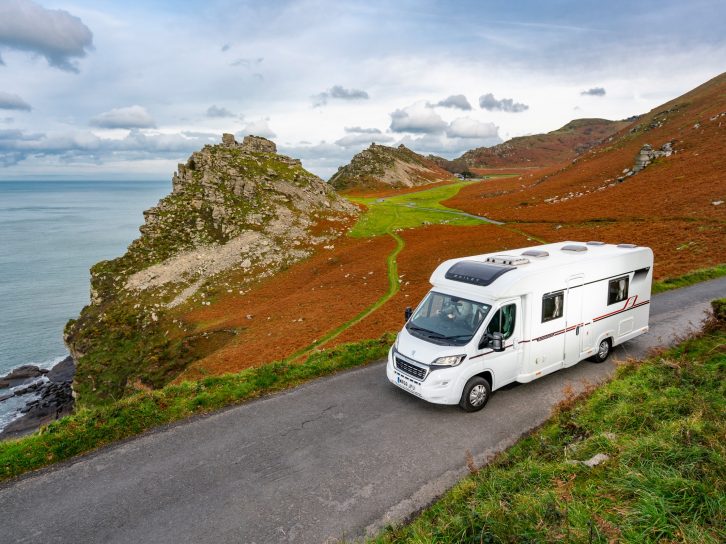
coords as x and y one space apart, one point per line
507 319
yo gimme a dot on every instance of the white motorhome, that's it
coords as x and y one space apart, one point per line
498 318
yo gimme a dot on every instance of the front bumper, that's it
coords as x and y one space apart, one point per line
439 386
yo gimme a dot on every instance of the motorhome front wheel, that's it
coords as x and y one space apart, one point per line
476 394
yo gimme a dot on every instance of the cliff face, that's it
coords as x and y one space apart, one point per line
381 166
237 213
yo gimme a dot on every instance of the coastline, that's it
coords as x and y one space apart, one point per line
47 396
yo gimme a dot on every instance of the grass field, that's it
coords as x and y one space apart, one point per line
661 423
384 215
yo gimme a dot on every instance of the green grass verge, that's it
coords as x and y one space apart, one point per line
689 279
91 428
662 423
385 215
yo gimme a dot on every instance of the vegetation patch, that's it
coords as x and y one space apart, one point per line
91 428
696 276
657 430
412 210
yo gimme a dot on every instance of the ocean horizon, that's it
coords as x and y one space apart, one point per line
51 233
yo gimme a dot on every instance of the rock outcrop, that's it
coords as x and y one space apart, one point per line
381 166
236 209
49 394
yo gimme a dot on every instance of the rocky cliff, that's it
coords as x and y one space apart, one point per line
238 212
381 166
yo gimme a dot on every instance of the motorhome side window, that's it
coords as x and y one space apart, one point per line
552 305
503 321
618 290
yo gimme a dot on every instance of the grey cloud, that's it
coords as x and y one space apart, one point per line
16 146
361 130
362 138
130 117
465 127
488 102
339 92
55 34
454 101
595 91
247 63
225 47
417 120
10 101
215 111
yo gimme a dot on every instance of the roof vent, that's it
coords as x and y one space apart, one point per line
508 260
595 243
535 253
574 247
627 246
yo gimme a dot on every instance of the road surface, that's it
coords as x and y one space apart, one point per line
335 458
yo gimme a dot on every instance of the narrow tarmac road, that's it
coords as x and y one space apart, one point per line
332 459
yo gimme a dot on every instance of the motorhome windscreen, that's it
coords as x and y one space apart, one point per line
447 320
476 273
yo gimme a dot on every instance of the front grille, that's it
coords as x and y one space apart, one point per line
411 369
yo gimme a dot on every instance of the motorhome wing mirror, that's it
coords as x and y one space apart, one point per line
407 312
497 343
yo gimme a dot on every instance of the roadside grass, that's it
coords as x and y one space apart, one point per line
662 422
90 428
696 276
384 215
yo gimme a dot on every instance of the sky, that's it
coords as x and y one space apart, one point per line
126 90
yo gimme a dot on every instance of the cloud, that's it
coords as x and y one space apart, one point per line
130 117
84 146
215 111
360 130
339 92
10 101
246 62
225 47
362 139
595 91
465 127
260 127
488 102
54 34
454 101
417 119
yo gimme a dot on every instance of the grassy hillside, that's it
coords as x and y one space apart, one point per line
538 150
676 204
659 430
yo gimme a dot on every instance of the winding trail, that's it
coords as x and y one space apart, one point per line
393 287
392 269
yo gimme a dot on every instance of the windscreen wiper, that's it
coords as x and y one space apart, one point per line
427 332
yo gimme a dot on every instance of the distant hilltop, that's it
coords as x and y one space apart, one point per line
381 166
561 145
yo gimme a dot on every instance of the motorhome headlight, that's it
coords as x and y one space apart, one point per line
395 344
449 360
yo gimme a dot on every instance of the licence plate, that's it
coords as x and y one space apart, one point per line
408 385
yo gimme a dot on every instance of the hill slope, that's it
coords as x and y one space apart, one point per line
658 182
381 167
233 208
561 145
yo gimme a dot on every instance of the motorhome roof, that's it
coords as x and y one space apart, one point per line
559 261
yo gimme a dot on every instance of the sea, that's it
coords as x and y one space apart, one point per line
51 233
